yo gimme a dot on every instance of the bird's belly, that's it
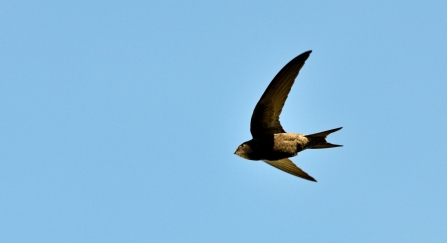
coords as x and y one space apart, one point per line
288 144
280 146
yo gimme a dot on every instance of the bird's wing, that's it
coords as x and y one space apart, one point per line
265 118
288 166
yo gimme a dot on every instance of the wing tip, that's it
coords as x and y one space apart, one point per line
306 54
310 178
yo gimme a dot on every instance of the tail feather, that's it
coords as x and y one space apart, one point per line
324 134
325 145
319 139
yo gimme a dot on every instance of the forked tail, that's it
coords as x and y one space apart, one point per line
318 140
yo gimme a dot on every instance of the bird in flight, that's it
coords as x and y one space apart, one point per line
270 142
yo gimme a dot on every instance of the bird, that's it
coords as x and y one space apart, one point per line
270 143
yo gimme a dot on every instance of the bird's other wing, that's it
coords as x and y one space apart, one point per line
288 166
265 118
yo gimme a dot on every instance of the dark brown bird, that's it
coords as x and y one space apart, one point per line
270 142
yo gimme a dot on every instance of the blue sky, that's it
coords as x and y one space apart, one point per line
119 119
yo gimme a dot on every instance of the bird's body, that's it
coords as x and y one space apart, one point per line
270 142
278 146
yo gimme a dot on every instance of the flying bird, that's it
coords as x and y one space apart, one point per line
270 142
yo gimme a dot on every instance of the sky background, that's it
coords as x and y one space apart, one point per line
119 120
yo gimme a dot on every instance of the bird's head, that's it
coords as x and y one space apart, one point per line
245 150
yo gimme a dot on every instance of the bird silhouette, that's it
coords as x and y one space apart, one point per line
270 143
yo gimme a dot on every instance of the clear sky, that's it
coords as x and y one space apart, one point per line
119 120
